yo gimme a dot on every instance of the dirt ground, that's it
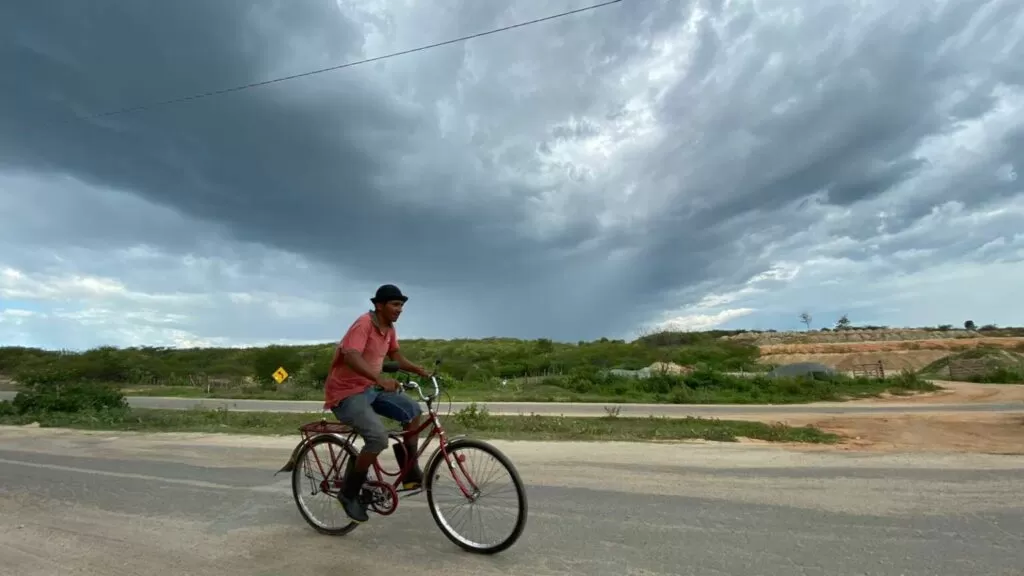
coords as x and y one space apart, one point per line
894 362
976 433
964 432
947 344
957 393
894 355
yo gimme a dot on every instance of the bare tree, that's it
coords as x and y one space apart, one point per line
805 317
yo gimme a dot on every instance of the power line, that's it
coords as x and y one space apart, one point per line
348 64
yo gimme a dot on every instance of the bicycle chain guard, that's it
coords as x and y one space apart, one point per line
380 497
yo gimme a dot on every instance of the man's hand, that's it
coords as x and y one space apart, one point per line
388 384
421 371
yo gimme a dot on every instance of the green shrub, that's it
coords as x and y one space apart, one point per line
75 397
1000 375
266 361
472 416
473 362
909 380
320 367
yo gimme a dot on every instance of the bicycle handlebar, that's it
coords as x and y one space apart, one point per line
411 385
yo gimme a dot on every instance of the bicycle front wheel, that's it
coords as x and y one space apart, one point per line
494 486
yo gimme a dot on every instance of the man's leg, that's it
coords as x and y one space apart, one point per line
357 411
409 414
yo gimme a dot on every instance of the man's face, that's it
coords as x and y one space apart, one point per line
391 310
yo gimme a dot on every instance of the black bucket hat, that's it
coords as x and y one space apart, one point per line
388 293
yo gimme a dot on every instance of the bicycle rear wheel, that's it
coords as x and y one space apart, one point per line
320 470
476 479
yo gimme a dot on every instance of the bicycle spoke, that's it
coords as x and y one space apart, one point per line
472 520
323 465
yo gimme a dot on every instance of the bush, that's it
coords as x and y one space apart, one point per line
908 380
1000 375
472 416
266 361
472 362
68 398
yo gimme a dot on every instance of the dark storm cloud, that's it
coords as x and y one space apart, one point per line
859 116
364 170
309 174
299 175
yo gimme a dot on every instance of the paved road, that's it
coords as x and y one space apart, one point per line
122 505
582 409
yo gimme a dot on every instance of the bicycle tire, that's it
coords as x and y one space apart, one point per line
297 472
520 525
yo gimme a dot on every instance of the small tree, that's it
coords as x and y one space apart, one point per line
805 317
843 323
969 325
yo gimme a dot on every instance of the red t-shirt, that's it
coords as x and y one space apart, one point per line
366 336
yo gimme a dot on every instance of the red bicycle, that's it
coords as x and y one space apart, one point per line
323 476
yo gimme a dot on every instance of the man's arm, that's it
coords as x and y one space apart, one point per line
352 346
354 360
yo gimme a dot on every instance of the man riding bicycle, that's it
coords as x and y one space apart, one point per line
356 392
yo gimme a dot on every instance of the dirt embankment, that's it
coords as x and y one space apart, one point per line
865 335
895 355
944 345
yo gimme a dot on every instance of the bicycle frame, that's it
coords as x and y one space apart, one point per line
344 432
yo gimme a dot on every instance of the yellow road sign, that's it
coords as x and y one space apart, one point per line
280 375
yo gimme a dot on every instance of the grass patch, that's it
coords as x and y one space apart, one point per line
470 421
706 387
1000 375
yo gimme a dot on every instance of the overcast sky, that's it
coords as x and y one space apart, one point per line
652 163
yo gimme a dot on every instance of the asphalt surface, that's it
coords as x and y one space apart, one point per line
104 504
585 409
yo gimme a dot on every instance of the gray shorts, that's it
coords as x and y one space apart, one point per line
360 411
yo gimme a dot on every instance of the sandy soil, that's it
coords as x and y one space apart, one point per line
972 432
947 344
976 433
956 393
893 362
895 355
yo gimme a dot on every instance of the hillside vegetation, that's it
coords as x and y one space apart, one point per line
494 369
984 365
491 359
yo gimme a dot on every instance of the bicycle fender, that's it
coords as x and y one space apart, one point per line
293 459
